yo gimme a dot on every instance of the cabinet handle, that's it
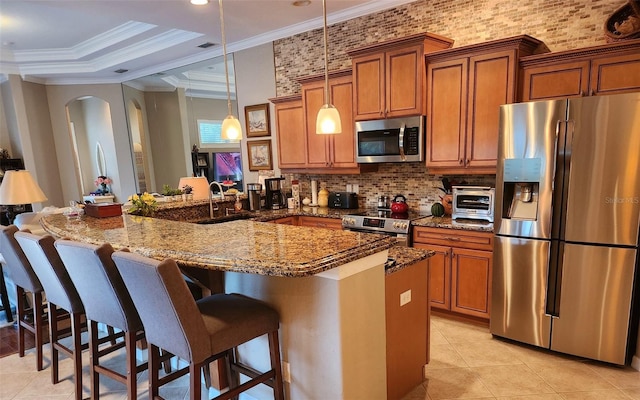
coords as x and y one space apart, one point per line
452 238
460 161
467 162
582 93
593 92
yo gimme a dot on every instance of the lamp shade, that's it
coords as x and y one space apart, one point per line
231 129
199 185
328 121
18 187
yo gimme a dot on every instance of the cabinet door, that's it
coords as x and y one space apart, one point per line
291 136
491 84
616 74
439 275
342 146
556 81
404 81
368 80
447 113
317 147
471 282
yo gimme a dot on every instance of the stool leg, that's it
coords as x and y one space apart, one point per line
20 315
5 297
94 360
38 323
130 345
53 340
76 329
195 388
154 366
274 351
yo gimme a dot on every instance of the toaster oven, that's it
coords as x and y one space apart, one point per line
473 202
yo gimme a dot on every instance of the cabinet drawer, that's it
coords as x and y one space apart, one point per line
454 238
320 222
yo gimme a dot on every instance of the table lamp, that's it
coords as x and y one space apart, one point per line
17 188
199 185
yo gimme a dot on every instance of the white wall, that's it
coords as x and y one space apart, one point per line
255 84
117 148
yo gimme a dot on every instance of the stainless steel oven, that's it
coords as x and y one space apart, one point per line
384 222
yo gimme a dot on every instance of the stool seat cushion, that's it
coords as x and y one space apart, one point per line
231 319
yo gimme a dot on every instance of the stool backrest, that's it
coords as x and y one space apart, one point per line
47 264
169 313
17 263
99 284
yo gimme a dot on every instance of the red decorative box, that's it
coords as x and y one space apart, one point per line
103 210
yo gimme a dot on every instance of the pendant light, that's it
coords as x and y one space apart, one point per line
231 129
328 119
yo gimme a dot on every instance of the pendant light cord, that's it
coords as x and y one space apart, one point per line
326 54
224 55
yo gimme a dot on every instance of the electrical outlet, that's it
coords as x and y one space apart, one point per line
405 297
356 188
286 372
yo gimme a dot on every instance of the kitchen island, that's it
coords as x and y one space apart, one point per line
327 285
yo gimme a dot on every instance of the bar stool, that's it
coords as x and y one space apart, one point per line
26 281
105 300
48 266
199 332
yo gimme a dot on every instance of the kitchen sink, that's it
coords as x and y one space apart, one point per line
226 218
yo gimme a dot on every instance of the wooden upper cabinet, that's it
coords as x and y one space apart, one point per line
599 70
465 88
330 153
290 132
388 77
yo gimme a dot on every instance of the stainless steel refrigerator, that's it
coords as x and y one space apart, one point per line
567 221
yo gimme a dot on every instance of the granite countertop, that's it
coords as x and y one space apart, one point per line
448 223
405 256
238 246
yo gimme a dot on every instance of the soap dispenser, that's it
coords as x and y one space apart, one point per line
238 204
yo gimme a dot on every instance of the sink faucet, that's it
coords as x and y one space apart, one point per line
211 197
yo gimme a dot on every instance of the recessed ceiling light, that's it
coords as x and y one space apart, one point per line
199 2
301 3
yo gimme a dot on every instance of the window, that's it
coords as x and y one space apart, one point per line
209 134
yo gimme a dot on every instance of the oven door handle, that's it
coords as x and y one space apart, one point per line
401 142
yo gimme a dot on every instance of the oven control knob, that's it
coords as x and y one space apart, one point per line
405 225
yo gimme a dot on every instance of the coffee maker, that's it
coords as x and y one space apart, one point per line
275 195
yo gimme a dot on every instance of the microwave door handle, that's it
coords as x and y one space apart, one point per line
401 143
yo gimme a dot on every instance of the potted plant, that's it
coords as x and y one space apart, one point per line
171 194
144 205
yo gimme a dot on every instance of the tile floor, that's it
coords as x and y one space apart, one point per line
466 362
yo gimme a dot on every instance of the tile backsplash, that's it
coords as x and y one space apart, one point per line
411 180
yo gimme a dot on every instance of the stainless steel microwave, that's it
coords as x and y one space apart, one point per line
390 140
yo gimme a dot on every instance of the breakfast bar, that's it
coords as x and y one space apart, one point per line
328 286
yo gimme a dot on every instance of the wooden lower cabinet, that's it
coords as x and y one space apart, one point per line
286 221
407 328
320 222
460 271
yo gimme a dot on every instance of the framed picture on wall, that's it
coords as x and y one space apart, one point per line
257 120
259 154
203 159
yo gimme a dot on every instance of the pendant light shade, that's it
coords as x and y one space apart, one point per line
328 119
231 128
